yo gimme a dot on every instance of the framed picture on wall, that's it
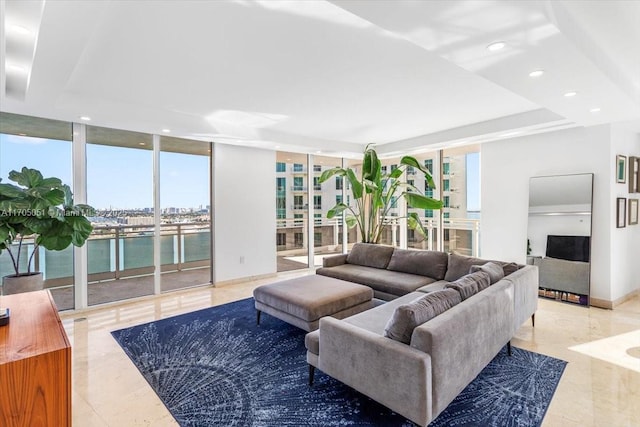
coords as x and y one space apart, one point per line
633 211
634 170
621 169
621 212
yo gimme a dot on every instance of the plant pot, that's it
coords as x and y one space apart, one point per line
22 283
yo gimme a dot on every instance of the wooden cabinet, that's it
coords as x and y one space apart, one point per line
35 363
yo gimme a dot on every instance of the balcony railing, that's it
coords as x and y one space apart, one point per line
120 251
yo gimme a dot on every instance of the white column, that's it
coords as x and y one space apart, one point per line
79 168
212 199
438 194
157 273
402 214
310 212
345 229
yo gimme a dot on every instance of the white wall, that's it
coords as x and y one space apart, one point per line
244 212
625 242
506 168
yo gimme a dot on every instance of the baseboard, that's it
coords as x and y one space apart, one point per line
626 297
610 305
601 303
244 279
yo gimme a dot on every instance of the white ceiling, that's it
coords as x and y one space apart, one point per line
325 76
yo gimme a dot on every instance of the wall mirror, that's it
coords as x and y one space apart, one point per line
559 235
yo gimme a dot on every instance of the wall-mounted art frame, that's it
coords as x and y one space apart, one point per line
621 169
633 211
621 212
634 170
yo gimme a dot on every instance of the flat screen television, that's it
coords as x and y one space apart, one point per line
570 248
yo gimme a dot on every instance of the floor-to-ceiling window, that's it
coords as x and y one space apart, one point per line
120 187
327 232
292 211
185 209
461 199
428 218
44 145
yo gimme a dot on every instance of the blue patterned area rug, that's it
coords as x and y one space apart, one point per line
215 367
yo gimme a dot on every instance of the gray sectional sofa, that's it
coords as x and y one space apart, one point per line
419 378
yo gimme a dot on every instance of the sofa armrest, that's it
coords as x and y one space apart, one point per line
332 261
387 371
525 293
464 339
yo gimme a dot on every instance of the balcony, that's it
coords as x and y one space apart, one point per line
296 188
120 262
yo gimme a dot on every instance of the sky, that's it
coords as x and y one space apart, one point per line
117 178
473 181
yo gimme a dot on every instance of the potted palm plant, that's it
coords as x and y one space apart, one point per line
39 210
375 192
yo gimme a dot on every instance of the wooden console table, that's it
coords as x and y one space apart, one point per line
35 363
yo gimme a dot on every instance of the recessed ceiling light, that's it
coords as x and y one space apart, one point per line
22 134
85 118
20 29
141 143
277 146
570 94
496 46
318 152
166 130
595 110
536 73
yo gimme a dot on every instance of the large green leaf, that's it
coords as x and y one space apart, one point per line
39 225
11 207
351 221
411 161
356 186
80 224
68 196
10 190
419 201
55 242
396 173
331 172
54 197
26 177
414 223
336 210
51 183
371 165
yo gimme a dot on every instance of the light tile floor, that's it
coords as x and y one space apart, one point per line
600 386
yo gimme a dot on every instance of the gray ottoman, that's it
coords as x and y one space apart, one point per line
304 300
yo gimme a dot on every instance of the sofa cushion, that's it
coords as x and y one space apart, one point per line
493 269
425 263
435 286
510 267
370 255
406 317
470 284
375 319
459 265
390 282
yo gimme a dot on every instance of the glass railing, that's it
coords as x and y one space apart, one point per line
122 251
